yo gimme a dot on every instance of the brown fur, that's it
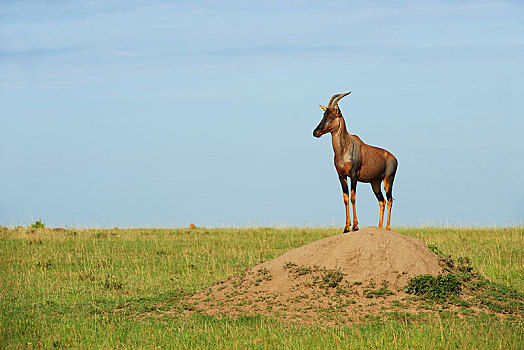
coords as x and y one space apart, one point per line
358 161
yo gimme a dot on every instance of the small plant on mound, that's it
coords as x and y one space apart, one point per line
332 278
300 270
434 248
434 287
460 267
265 275
324 277
304 270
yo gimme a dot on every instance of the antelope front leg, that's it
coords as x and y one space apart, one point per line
353 199
345 193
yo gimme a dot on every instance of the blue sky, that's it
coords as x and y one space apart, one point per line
158 113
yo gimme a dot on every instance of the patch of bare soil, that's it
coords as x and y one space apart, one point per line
336 280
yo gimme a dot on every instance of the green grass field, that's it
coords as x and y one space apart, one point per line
96 288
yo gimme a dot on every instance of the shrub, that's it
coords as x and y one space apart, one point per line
435 288
38 224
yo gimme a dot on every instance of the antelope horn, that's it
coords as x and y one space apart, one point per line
331 100
338 97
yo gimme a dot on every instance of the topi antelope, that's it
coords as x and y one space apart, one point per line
357 160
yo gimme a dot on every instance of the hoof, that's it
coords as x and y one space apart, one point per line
346 230
355 228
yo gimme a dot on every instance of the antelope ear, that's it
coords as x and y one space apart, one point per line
323 108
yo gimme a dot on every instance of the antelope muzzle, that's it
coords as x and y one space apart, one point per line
317 132
320 129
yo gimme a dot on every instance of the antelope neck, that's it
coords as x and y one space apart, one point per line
340 137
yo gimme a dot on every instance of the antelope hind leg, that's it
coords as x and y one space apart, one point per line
353 200
378 193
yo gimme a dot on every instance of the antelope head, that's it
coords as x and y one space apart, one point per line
330 120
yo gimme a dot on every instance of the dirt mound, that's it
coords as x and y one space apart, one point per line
371 254
334 273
